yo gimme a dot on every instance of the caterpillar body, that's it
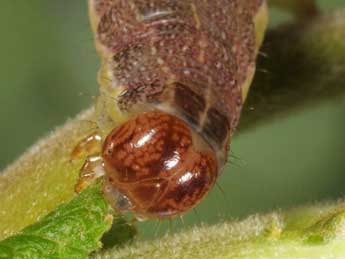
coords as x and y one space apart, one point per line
173 80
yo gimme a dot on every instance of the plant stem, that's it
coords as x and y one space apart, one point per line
312 232
301 65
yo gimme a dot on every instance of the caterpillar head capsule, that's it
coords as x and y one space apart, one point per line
158 165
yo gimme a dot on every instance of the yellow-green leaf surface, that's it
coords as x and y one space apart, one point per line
42 178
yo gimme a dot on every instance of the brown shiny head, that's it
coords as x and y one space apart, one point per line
158 164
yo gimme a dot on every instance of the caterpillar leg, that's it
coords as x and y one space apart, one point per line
300 8
89 145
90 171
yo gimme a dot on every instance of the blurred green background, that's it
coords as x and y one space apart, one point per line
48 69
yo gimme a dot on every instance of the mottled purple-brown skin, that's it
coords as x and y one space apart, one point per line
192 55
201 50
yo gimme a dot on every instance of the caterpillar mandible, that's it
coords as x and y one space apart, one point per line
173 80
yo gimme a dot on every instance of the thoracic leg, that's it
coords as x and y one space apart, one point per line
91 170
88 146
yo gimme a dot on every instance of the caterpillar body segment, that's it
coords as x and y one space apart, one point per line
173 80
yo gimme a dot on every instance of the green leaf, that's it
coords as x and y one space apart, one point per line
73 230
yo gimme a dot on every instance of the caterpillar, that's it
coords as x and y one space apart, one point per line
173 80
